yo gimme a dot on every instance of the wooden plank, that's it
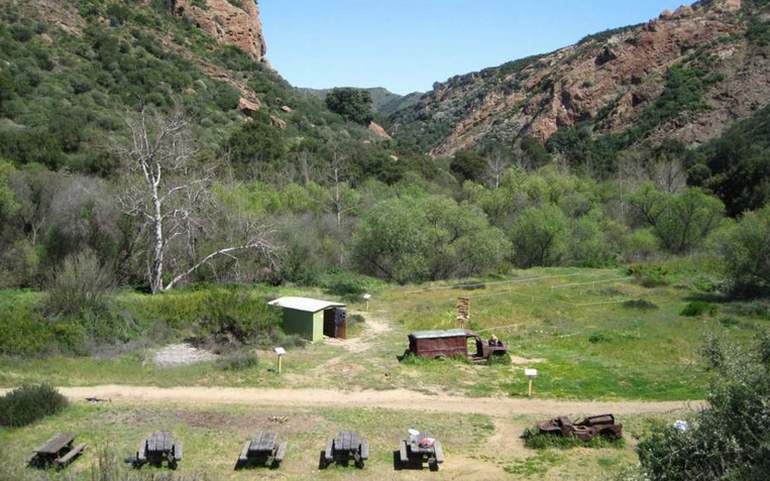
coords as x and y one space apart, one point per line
328 454
56 443
177 448
245 452
402 452
263 442
364 450
439 452
71 455
281 452
141 453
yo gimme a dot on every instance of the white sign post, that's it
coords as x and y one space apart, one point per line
366 298
531 375
280 352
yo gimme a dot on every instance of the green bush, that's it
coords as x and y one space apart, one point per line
598 338
534 439
346 285
231 315
27 404
729 439
238 361
82 285
640 304
649 275
698 308
500 360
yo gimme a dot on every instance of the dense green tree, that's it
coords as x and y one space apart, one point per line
681 221
415 239
736 167
468 165
352 104
257 148
539 235
745 250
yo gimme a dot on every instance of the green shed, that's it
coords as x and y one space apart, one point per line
304 316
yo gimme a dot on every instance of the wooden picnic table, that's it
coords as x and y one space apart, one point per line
263 449
58 450
158 447
413 453
346 445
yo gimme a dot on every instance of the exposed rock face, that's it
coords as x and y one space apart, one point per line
248 107
228 23
606 80
377 130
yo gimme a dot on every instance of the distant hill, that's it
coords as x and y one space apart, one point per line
687 76
384 101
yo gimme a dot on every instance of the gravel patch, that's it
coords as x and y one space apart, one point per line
175 355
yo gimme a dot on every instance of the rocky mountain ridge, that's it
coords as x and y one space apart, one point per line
608 82
230 22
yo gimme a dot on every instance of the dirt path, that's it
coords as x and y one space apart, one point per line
392 399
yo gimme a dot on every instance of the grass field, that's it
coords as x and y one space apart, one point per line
477 447
592 333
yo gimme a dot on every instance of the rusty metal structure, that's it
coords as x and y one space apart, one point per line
585 430
453 343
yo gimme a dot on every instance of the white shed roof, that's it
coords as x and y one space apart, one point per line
304 304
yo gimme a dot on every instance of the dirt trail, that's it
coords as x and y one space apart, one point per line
392 399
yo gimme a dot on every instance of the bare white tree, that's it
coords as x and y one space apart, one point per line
170 197
497 164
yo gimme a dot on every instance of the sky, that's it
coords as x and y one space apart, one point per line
407 45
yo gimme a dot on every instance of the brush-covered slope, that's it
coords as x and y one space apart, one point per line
71 71
687 75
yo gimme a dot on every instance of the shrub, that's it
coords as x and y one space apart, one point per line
534 439
500 360
81 285
698 308
640 304
238 361
598 337
235 316
728 439
745 253
27 404
649 275
345 284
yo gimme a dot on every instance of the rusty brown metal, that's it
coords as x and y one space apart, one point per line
452 343
585 430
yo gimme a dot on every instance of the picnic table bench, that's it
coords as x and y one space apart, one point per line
346 445
420 448
263 449
158 447
58 451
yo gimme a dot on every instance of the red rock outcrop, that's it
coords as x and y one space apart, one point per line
377 130
228 23
607 80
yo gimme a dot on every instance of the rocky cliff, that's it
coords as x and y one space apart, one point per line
231 22
611 81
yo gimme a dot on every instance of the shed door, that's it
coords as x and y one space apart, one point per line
329 330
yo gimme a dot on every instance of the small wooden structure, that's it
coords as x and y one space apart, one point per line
463 310
346 446
420 448
57 451
312 319
262 450
452 343
159 446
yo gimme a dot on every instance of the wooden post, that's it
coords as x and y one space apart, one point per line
279 351
530 388
281 357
